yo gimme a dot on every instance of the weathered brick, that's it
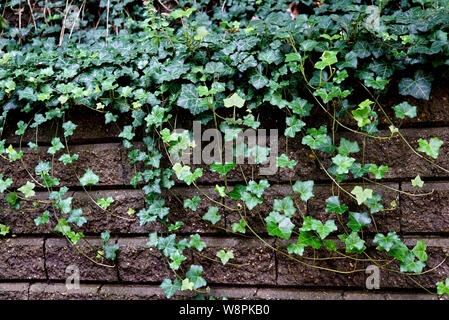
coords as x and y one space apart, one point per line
298 294
131 292
14 291
375 295
22 258
60 255
103 159
140 263
59 291
253 262
425 213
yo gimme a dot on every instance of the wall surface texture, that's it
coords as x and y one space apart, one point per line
33 260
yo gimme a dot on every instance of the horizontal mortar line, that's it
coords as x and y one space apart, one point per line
318 182
218 285
222 235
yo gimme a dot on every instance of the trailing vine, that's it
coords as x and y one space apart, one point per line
226 66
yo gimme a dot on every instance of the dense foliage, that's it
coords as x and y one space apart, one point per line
226 63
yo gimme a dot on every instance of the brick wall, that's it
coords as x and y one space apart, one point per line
33 259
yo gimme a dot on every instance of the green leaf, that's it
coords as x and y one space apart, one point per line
346 147
250 199
354 244
362 194
333 205
304 188
68 127
105 203
192 204
420 251
234 101
76 217
45 218
258 81
225 256
195 242
343 163
176 260
386 242
258 188
212 215
358 220
220 190
4 230
410 265
27 189
417 182
56 145
189 99
67 159
239 226
194 275
294 125
4 184
324 230
222 169
283 161
419 87
89 178
187 285
170 288
431 147
127 133
378 172
183 173
443 287
279 225
404 109
285 205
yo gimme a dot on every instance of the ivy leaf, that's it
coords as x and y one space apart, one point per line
404 109
105 203
176 260
225 256
343 163
67 159
419 87
187 285
346 147
362 194
279 225
304 188
283 161
443 287
258 81
431 147
354 244
222 169
4 230
45 218
183 173
258 188
333 205
285 205
192 204
76 217
4 184
410 265
250 199
194 275
27 189
170 288
386 242
417 182
324 230
56 145
195 242
212 216
420 251
234 101
239 226
68 127
189 99
89 178
378 172
220 190
293 125
358 220
127 133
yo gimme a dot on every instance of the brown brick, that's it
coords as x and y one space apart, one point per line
140 263
14 291
375 295
22 258
298 294
425 213
60 254
131 292
103 159
253 262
